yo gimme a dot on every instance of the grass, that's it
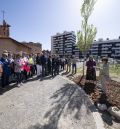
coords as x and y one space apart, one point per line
115 69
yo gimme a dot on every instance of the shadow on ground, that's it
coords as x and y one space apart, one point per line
66 100
108 119
7 88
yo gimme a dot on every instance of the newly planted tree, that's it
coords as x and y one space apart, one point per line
88 32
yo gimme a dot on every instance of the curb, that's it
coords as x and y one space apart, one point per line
96 114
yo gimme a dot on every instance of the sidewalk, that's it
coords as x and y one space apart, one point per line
54 103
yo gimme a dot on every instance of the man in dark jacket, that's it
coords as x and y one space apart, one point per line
43 61
49 65
53 65
57 65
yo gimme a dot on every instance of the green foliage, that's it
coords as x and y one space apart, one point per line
87 8
88 32
90 36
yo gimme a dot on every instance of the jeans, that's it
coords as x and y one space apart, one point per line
39 70
19 77
5 80
43 70
74 68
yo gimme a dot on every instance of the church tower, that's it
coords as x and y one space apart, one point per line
4 29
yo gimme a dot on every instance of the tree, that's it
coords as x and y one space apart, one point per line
88 32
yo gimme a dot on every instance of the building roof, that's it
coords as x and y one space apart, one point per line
107 41
15 41
64 33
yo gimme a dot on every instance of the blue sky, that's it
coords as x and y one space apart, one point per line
38 20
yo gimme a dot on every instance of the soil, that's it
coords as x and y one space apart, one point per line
111 99
113 92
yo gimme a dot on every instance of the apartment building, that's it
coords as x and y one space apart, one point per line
107 48
64 44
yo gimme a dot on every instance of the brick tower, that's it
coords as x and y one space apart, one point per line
4 29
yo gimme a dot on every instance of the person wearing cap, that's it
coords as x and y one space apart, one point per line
91 72
6 69
104 74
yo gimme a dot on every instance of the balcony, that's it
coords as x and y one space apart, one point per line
117 44
105 48
106 45
115 48
117 51
105 51
94 52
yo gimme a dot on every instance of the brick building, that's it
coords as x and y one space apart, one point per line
12 45
35 47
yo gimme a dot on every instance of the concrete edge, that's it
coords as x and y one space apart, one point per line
96 115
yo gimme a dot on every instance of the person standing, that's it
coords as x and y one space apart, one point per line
49 65
63 63
18 68
69 64
6 69
74 65
1 72
26 66
44 62
53 65
91 72
104 74
57 64
31 64
11 62
38 64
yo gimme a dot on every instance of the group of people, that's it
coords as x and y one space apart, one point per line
104 78
21 66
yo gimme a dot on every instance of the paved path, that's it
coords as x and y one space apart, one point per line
48 104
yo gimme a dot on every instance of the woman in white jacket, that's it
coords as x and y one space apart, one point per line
104 74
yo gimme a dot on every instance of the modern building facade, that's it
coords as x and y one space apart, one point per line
107 48
64 44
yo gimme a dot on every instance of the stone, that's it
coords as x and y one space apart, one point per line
114 111
102 107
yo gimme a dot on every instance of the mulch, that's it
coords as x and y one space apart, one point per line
113 92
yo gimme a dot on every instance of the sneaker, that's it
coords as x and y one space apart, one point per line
19 85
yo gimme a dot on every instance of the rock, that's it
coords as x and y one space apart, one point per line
114 111
102 107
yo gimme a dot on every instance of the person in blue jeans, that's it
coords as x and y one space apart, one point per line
74 66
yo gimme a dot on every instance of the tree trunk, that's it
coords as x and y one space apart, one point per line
83 72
